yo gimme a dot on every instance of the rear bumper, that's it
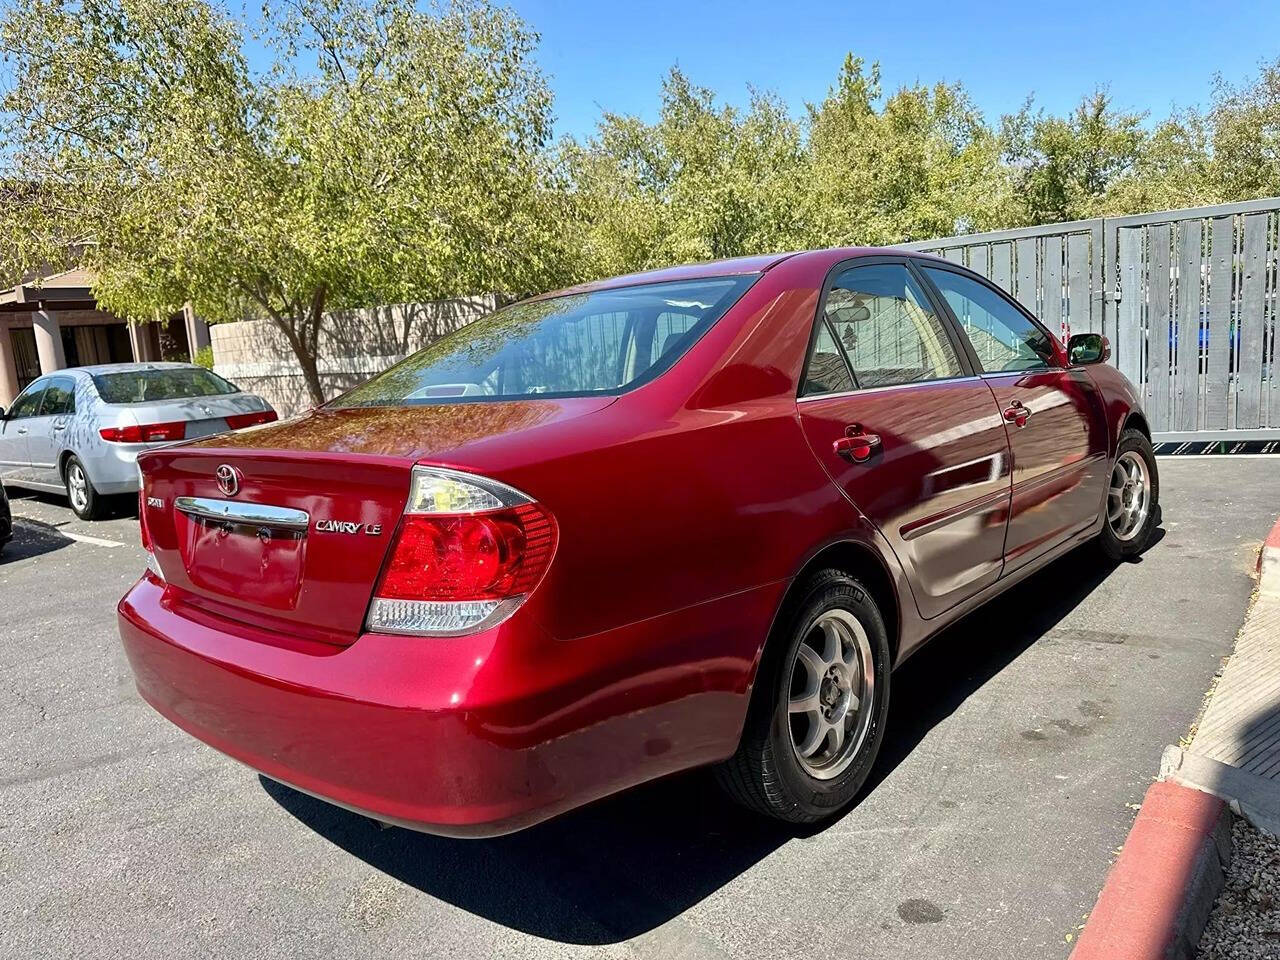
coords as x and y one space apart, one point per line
113 467
472 736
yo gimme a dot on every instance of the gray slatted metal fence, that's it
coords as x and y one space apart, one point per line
1188 299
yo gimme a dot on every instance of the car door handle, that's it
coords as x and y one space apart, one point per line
21 430
1017 412
856 446
59 426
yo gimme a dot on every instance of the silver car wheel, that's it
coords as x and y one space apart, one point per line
77 486
1129 496
830 693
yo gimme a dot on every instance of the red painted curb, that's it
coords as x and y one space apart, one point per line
1163 881
1271 543
1273 538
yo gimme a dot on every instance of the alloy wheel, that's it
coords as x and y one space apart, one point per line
1129 496
830 693
77 486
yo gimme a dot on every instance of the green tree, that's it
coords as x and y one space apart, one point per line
921 163
703 182
1062 167
1229 152
385 154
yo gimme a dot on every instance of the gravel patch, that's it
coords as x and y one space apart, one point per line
1245 923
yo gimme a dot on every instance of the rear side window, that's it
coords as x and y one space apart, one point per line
1000 333
884 322
152 386
59 398
827 371
603 341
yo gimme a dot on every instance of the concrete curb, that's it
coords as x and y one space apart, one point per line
1247 794
1157 898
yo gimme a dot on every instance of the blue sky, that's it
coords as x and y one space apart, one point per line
1150 56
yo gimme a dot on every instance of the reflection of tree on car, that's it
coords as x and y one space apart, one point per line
571 344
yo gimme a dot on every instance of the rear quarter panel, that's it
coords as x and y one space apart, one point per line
696 486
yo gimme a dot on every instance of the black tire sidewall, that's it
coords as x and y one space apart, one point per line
809 795
1133 440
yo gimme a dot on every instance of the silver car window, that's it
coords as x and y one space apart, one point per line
59 398
28 402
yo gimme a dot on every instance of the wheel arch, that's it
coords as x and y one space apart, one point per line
860 561
63 459
1136 421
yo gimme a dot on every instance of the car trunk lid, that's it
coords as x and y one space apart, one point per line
286 527
203 416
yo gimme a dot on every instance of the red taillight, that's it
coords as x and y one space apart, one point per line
238 421
466 554
488 556
145 433
144 532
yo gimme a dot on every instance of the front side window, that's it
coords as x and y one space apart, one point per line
161 383
59 398
603 341
889 332
28 402
1001 335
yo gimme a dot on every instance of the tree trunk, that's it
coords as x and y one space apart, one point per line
301 327
304 349
311 374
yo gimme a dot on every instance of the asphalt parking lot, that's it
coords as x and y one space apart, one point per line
1018 744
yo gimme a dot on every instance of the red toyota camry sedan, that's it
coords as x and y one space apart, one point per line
695 516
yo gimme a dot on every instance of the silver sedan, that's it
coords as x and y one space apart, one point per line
80 430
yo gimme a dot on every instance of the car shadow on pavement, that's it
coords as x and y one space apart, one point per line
601 874
32 539
115 506
624 865
963 657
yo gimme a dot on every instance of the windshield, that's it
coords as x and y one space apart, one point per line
579 344
145 386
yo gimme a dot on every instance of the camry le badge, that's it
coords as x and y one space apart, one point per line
348 526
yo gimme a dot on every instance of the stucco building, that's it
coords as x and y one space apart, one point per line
55 322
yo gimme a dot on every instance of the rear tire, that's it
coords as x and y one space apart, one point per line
818 712
86 502
1131 508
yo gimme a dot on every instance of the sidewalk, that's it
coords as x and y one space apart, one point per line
1235 753
1158 896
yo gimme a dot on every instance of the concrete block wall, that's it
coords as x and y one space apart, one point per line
354 345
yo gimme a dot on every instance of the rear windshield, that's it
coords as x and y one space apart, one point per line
146 386
576 345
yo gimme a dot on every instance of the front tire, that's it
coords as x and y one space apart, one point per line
85 500
818 714
1131 510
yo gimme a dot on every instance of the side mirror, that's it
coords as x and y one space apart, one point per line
4 414
1085 348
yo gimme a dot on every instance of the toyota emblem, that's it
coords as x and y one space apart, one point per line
228 479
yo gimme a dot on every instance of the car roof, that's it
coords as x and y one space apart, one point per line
732 266
99 368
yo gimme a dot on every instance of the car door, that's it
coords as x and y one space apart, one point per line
893 409
1053 414
47 437
15 460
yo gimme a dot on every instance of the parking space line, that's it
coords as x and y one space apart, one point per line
96 541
